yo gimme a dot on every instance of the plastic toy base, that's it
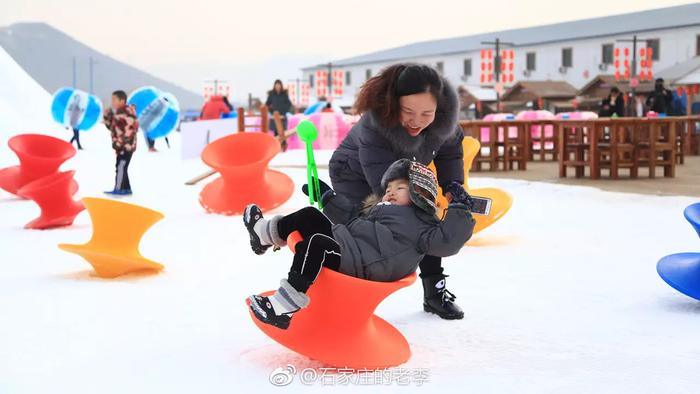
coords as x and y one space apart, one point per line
112 266
354 338
222 198
44 223
52 194
682 272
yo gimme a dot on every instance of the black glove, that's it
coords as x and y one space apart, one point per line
459 195
325 190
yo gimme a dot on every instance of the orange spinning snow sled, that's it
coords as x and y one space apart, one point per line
117 228
355 338
242 161
500 201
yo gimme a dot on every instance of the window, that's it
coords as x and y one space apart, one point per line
607 57
440 66
348 78
697 45
311 80
567 57
655 47
531 61
467 67
368 73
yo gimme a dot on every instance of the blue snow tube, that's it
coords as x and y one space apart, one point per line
75 108
682 270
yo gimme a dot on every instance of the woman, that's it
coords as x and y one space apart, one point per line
408 111
278 100
612 105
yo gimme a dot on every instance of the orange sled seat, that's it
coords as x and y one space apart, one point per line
117 228
242 161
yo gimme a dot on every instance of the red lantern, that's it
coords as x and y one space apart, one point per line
617 51
650 51
696 89
483 53
483 78
650 75
642 52
627 74
617 64
490 77
511 78
617 75
642 75
643 63
489 53
679 91
510 66
483 66
627 52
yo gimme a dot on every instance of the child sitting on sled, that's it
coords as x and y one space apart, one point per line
385 242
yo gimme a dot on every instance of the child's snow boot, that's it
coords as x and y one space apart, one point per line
277 309
438 300
263 233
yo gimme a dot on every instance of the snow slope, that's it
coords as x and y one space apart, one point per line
561 295
24 105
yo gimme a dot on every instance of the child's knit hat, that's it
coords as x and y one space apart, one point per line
421 181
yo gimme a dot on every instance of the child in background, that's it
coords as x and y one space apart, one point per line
122 123
384 243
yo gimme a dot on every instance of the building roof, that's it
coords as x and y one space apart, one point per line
682 73
636 22
479 93
528 90
600 86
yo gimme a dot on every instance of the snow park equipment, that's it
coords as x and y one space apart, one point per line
491 204
339 327
158 112
39 156
53 194
307 132
117 228
682 270
76 109
242 160
692 215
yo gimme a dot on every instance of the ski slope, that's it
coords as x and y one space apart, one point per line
561 295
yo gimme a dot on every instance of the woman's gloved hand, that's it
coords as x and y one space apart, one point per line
459 195
325 190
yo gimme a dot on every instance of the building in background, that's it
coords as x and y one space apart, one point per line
572 52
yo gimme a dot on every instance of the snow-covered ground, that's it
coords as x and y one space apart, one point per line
561 295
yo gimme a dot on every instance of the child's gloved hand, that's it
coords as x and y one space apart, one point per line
459 195
326 191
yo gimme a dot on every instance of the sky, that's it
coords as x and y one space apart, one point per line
252 43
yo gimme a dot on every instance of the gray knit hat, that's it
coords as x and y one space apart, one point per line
421 181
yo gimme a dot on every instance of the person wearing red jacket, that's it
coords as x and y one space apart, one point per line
214 108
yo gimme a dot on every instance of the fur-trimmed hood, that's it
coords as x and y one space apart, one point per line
442 128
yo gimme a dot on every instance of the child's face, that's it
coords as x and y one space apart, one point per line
117 102
397 193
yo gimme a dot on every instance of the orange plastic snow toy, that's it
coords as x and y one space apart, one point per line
242 161
339 327
53 194
39 156
501 201
117 228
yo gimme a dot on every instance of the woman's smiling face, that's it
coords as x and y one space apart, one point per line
417 112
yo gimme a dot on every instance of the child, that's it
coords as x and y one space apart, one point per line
384 243
122 123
